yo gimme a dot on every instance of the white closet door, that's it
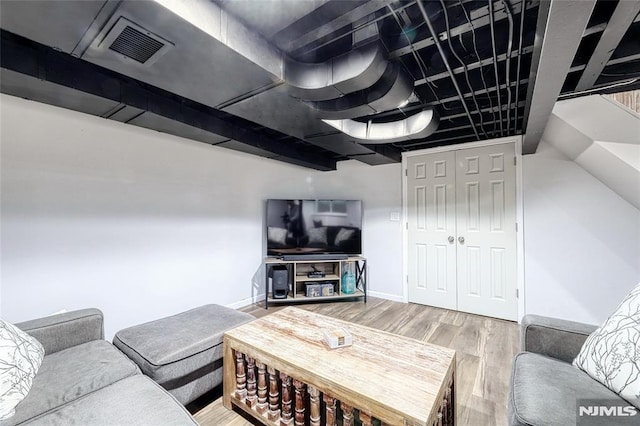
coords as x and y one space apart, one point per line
431 229
486 225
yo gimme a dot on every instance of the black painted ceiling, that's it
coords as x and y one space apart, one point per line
478 73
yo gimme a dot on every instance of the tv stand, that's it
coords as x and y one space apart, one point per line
299 266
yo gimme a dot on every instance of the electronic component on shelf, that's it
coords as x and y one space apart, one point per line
315 274
315 289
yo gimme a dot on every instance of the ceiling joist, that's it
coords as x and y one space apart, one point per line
560 28
622 18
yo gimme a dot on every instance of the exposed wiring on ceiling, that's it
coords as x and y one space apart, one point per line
507 9
464 67
477 53
622 74
460 38
436 40
421 65
523 8
599 89
495 62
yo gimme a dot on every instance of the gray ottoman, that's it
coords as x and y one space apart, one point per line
182 353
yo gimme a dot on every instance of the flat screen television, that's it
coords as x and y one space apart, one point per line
299 227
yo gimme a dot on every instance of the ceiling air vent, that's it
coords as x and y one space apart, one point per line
134 42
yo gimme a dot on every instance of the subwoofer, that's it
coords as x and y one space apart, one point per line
280 282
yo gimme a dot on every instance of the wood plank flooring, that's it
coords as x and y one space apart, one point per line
484 348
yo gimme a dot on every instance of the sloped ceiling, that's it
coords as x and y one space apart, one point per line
609 152
494 68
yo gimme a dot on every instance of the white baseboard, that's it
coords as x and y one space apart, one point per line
387 296
260 298
246 302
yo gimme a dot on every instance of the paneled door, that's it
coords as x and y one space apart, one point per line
462 230
486 231
431 229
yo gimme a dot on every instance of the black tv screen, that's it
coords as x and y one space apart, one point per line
298 227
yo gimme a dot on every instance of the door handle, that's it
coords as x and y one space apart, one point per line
451 239
461 240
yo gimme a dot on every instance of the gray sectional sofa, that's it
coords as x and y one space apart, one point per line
85 380
545 387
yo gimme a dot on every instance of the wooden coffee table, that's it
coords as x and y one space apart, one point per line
279 370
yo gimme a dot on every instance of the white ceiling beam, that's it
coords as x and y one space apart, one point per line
560 30
620 21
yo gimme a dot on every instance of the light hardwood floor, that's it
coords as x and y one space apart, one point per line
484 348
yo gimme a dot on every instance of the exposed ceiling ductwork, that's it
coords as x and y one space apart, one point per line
274 69
417 126
355 70
394 87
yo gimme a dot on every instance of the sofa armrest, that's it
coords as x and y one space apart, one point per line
552 337
61 331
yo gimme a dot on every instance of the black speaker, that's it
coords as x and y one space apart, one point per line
280 282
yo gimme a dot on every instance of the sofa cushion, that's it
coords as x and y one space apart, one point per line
610 354
180 349
71 373
544 392
134 400
20 358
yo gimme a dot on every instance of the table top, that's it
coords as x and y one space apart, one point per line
390 376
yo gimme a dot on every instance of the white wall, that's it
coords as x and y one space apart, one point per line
582 240
140 224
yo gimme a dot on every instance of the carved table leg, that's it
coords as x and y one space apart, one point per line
365 419
241 377
347 414
274 395
314 406
451 405
262 388
299 402
251 382
330 404
445 410
286 400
